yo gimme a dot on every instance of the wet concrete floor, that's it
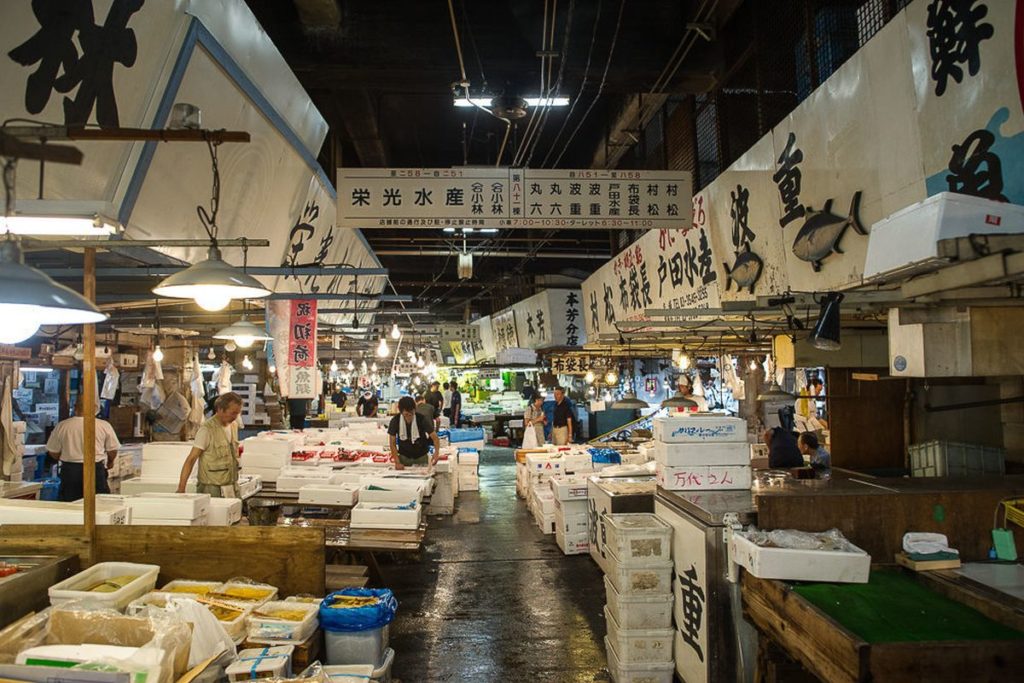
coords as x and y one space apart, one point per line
493 599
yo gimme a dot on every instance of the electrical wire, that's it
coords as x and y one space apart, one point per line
558 83
600 88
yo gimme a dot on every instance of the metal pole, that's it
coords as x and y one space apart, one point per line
89 404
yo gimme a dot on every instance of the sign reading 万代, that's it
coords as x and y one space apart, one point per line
512 198
302 348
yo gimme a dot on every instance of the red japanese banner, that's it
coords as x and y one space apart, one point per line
302 348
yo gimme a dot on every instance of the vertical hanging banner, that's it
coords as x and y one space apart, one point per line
504 330
302 348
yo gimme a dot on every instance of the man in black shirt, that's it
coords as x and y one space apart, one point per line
410 435
456 407
561 426
423 408
436 399
367 405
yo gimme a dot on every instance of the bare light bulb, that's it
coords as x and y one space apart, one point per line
230 346
382 348
611 378
589 377
213 299
373 368
244 341
420 363
350 366
395 332
272 369
18 328
246 363
753 365
334 366
684 362
212 355
158 354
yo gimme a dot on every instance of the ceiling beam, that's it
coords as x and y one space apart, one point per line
360 117
164 271
489 254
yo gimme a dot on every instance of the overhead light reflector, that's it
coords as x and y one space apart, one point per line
213 283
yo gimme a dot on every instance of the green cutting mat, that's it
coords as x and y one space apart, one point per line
894 608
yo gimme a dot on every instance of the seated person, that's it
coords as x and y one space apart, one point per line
821 459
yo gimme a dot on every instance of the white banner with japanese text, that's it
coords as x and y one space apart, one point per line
512 198
503 327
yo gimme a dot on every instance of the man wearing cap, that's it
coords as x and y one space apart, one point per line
367 405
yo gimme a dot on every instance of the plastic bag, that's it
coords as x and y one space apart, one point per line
208 635
832 540
24 633
358 609
530 437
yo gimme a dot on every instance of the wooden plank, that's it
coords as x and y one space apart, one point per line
904 560
986 660
865 420
994 604
89 406
290 558
827 649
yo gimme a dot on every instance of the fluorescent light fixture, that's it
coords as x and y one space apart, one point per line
35 368
489 230
60 226
530 102
449 230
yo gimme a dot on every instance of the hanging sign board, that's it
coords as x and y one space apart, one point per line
512 198
504 329
302 348
577 364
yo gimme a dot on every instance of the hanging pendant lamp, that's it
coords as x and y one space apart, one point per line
825 335
243 333
679 400
630 402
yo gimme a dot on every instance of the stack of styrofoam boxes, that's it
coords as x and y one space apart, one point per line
169 509
442 501
18 473
293 479
266 455
31 462
572 526
541 501
638 588
160 469
701 453
52 512
248 394
469 469
542 504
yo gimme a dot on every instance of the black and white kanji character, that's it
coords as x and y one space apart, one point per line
739 212
595 317
360 196
691 266
787 179
530 331
575 188
392 196
609 305
645 286
454 196
423 197
623 293
541 331
707 273
955 31
975 169
692 599
634 290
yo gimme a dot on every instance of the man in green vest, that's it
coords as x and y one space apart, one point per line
216 449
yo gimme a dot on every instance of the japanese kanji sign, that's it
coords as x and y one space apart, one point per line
577 364
512 198
302 361
503 326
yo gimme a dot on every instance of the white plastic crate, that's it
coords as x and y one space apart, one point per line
655 579
689 454
704 478
953 459
638 538
401 495
224 511
78 587
572 545
639 646
638 611
637 673
265 628
329 494
799 565
574 525
185 506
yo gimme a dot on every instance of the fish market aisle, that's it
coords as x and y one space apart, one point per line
493 598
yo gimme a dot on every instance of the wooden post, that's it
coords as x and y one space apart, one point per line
89 405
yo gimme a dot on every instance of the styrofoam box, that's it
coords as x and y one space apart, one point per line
577 462
384 516
574 525
570 508
468 457
54 512
329 494
638 538
164 458
291 479
422 484
572 546
400 495
249 485
700 429
164 521
138 486
263 629
638 611
268 474
621 672
640 646
690 454
546 523
170 505
566 488
269 662
655 579
468 481
78 586
544 463
799 565
544 500
718 478
224 511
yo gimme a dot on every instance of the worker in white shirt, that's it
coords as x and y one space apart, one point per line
216 449
67 444
685 386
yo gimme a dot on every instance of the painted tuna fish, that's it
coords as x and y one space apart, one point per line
746 271
822 231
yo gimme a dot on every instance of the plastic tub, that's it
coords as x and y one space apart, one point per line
244 594
357 647
638 538
655 579
266 662
638 611
640 646
637 673
360 673
79 587
266 627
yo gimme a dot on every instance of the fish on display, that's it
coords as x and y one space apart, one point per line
746 271
822 231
